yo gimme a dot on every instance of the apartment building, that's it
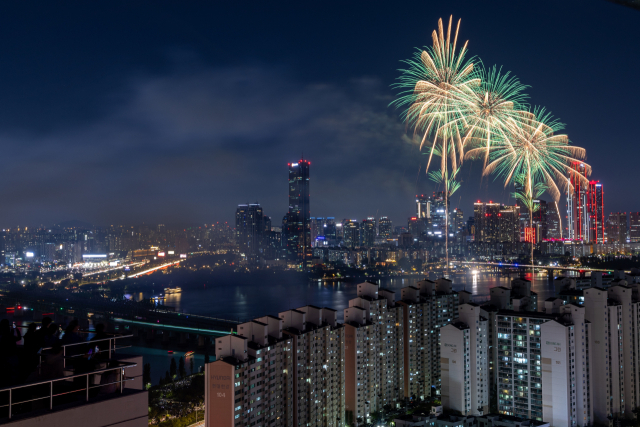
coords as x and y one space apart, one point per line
518 363
251 381
566 369
318 351
614 341
374 345
464 362
426 307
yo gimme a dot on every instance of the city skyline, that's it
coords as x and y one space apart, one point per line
162 155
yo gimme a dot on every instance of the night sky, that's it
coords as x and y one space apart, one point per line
178 111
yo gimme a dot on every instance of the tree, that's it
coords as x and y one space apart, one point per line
173 368
146 374
206 356
191 365
167 377
181 369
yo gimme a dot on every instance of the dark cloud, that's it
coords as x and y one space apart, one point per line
192 145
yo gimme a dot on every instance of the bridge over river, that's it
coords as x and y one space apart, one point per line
140 319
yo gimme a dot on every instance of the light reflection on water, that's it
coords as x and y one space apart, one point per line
270 297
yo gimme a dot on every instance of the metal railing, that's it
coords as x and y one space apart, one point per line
70 380
112 347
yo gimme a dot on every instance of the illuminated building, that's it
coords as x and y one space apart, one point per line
416 226
509 224
486 220
427 307
554 229
617 227
373 355
299 232
250 228
459 225
595 209
368 231
423 206
351 232
436 225
385 227
585 208
634 227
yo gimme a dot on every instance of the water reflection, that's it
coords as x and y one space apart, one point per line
252 300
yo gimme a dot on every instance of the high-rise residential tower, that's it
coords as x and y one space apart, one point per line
617 227
368 232
595 210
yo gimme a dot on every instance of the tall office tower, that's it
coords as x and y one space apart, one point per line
567 398
249 228
458 223
427 307
634 227
554 229
423 206
318 349
368 231
613 341
416 226
577 212
486 221
595 211
465 368
252 379
509 224
330 229
373 368
438 214
617 227
540 219
313 228
385 227
351 231
299 207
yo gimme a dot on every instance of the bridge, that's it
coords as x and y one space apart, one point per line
522 268
140 319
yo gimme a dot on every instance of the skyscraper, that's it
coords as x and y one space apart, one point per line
299 210
368 231
540 219
617 227
595 210
634 227
385 227
423 206
486 221
438 215
554 229
351 230
577 215
509 224
250 228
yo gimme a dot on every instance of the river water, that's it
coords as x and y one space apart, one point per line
248 301
251 300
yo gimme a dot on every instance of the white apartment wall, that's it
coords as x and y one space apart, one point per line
231 346
368 289
477 357
556 375
355 314
597 312
256 332
293 319
452 367
274 325
314 314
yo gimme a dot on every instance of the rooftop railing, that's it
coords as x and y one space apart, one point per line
65 389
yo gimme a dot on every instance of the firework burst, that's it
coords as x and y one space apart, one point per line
499 100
